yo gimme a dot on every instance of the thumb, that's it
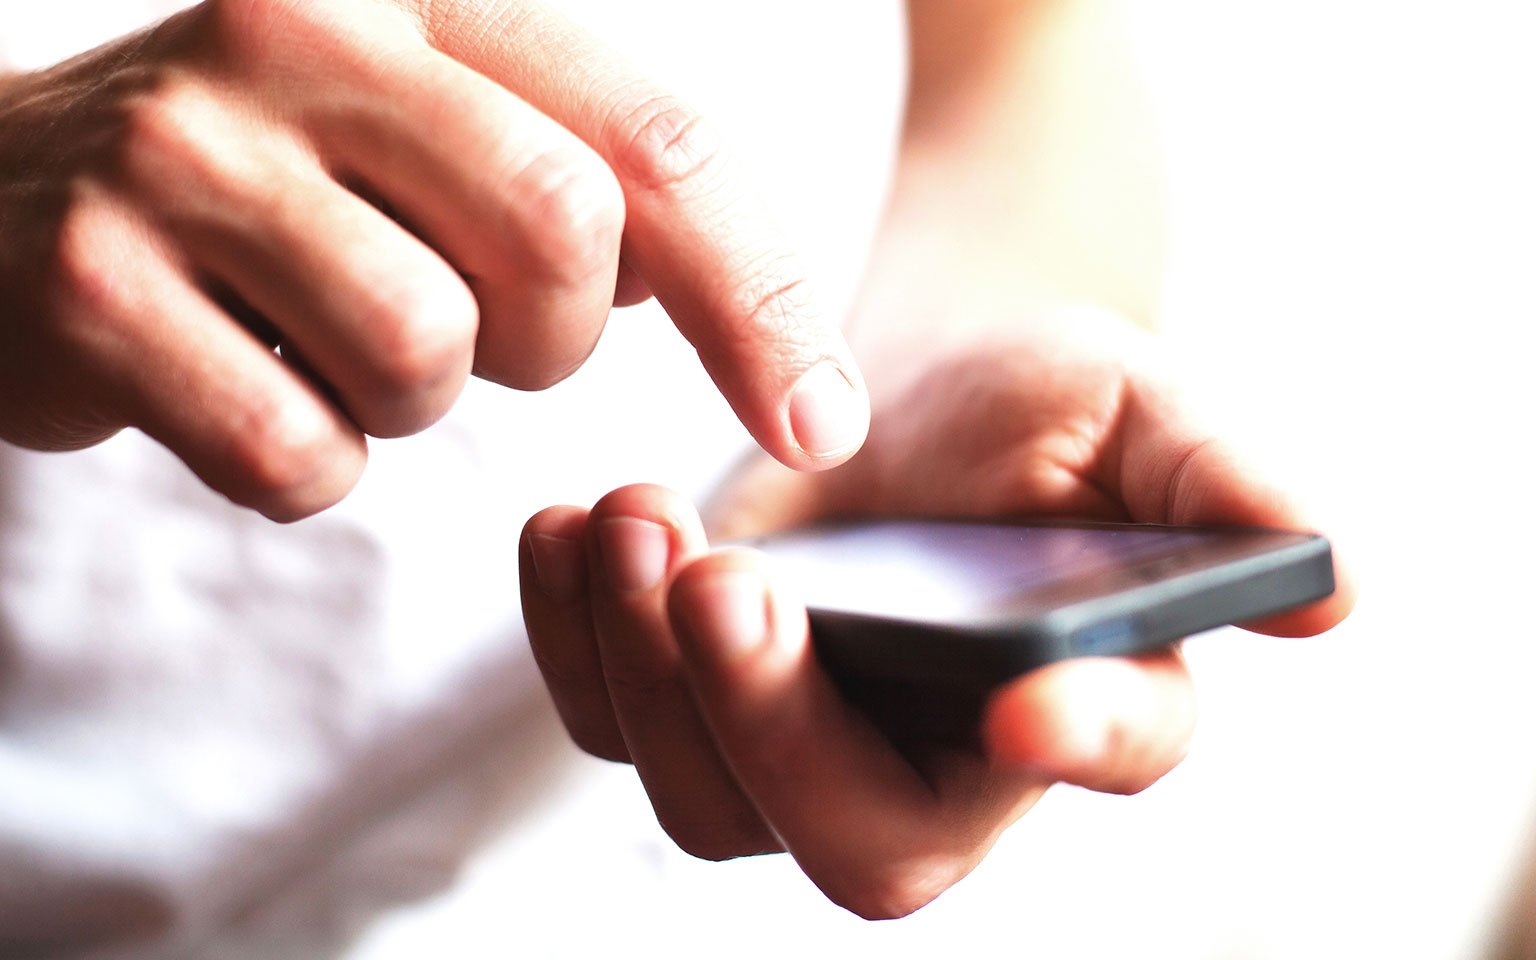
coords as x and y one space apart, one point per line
1175 471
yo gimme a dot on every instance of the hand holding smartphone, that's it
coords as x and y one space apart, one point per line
919 620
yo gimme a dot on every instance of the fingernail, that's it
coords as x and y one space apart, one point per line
556 565
729 615
635 552
828 414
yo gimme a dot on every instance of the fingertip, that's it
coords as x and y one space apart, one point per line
302 501
1110 724
629 289
1202 481
642 500
655 504
303 459
721 607
828 415
556 609
1314 618
1053 721
554 559
561 520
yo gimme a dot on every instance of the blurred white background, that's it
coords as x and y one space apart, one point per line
1352 253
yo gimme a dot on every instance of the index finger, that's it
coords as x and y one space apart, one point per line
694 233
863 824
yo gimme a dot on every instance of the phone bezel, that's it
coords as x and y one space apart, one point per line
1231 575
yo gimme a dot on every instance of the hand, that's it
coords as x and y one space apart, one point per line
395 193
692 666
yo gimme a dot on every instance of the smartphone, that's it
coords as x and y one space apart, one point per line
928 610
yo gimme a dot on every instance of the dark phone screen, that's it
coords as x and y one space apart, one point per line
923 570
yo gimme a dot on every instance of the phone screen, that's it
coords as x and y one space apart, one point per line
923 570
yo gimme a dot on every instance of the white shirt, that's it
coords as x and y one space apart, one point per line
224 737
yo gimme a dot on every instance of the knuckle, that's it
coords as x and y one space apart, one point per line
165 137
419 334
771 307
1185 485
283 451
659 143
578 206
79 267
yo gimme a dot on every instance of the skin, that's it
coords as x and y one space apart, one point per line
256 174
640 628
993 396
393 194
